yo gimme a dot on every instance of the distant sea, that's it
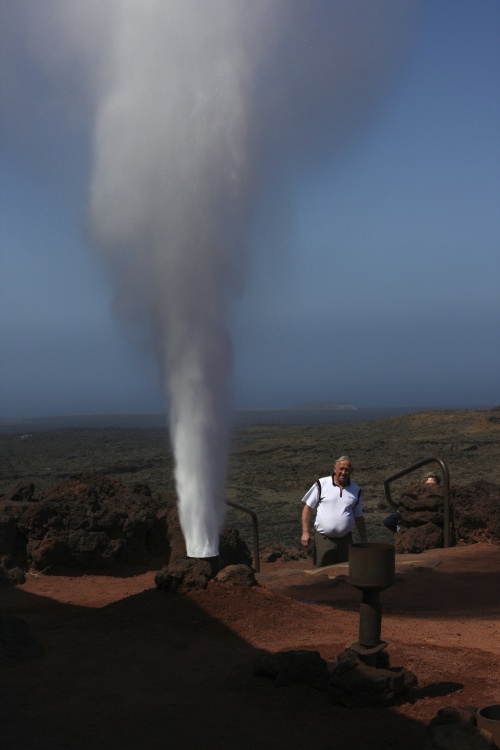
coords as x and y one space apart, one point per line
244 417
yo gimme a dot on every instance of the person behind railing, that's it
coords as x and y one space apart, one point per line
339 509
393 520
432 478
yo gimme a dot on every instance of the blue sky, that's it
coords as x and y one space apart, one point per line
374 279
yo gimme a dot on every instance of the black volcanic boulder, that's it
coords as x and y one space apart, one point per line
13 560
233 550
275 551
475 514
417 539
354 683
237 575
422 519
20 493
183 573
92 523
89 523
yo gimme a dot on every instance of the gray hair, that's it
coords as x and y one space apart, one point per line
342 458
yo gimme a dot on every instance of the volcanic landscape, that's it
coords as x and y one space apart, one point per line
96 654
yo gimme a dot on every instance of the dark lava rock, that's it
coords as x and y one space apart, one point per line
16 639
12 542
183 573
186 573
475 513
419 538
236 575
353 683
92 523
422 519
233 550
349 682
20 493
288 667
10 573
274 552
89 523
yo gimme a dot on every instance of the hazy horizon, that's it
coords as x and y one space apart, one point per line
242 409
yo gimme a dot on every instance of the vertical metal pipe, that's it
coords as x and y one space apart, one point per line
370 619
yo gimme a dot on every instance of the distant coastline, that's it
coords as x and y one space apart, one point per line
325 406
300 415
309 406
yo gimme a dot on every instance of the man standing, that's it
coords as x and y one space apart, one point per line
339 508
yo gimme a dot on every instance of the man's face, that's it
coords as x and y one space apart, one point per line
342 473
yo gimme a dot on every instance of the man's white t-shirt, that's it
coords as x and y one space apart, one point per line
338 508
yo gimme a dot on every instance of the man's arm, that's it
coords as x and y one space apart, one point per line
306 516
361 527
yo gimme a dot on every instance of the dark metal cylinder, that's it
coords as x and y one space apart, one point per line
489 718
372 565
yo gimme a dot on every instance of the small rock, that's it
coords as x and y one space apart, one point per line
236 575
353 683
181 576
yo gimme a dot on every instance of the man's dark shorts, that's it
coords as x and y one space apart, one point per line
330 551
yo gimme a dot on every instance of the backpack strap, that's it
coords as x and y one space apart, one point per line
319 491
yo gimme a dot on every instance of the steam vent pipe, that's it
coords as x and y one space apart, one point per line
372 568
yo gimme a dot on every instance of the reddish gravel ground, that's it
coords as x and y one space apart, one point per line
128 666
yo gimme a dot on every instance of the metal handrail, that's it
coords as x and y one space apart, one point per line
446 490
255 524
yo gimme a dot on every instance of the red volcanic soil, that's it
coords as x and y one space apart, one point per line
128 666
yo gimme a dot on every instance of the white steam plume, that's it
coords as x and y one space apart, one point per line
196 102
167 199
